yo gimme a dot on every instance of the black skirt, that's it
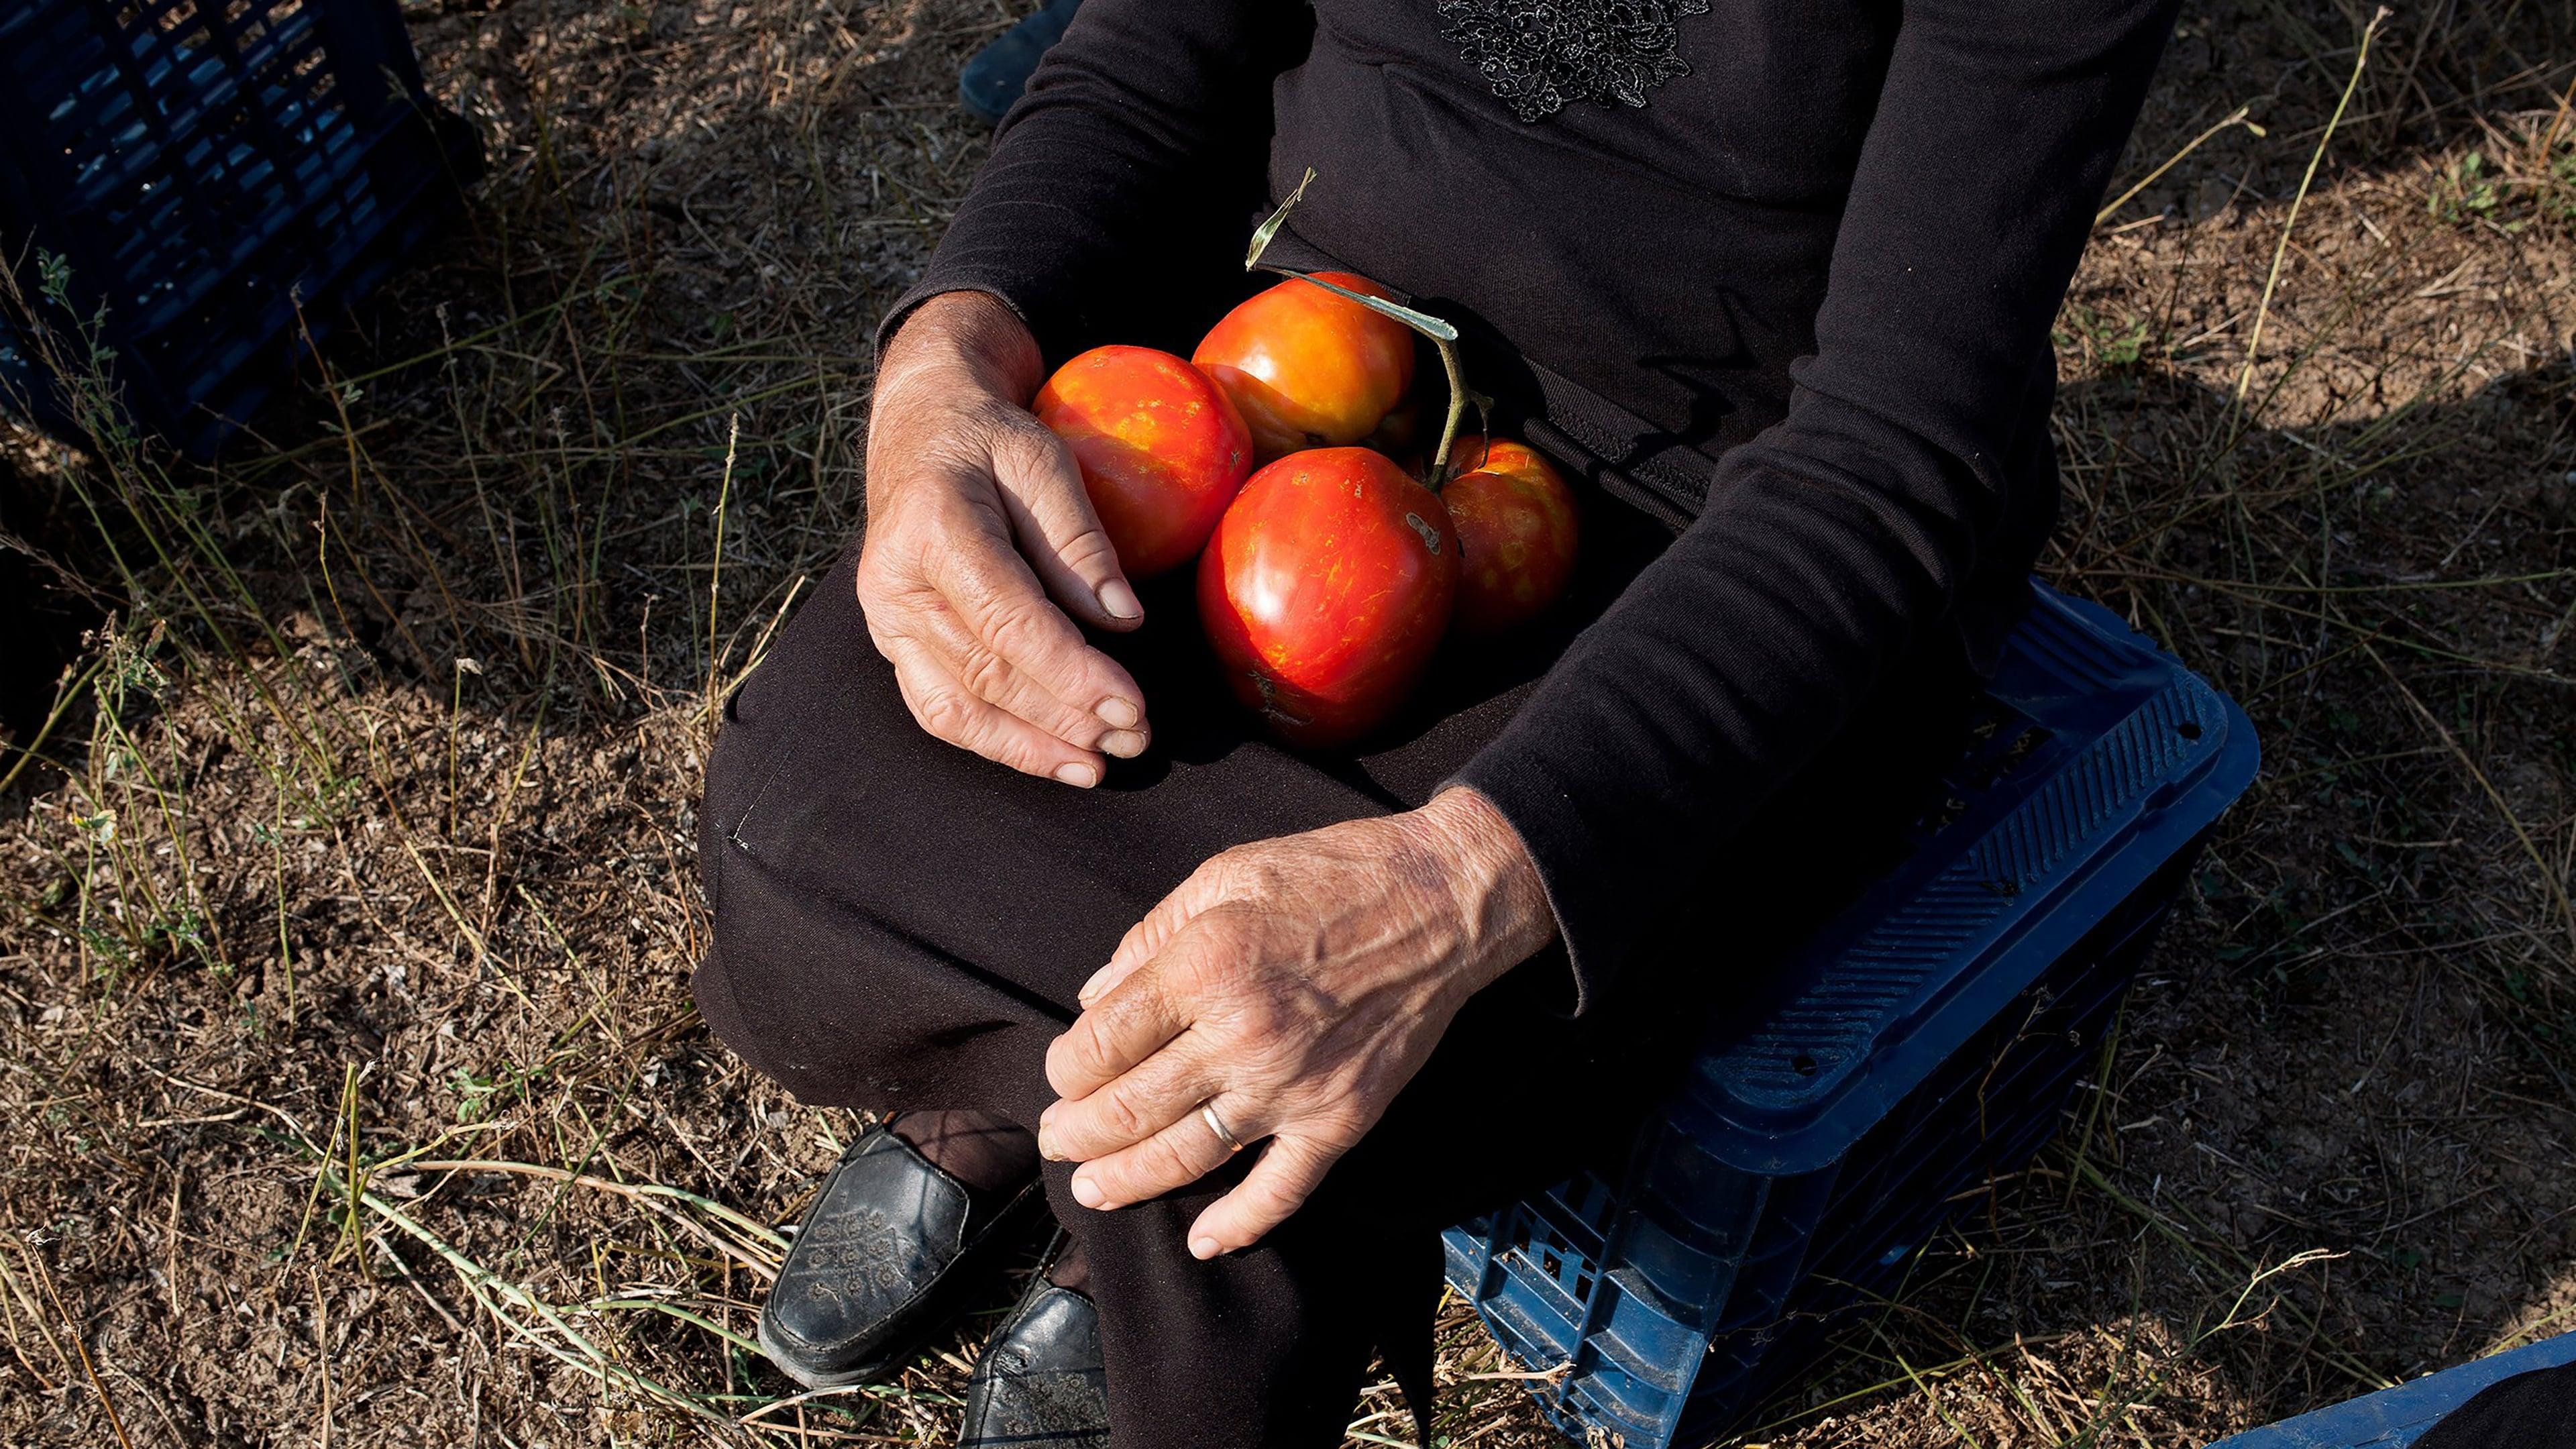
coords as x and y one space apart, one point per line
901 924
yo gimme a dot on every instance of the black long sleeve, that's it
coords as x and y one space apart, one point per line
1913 459
1800 295
1115 197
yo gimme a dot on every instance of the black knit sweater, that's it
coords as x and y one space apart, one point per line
1780 270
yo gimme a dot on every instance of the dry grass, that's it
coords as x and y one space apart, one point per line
351 1091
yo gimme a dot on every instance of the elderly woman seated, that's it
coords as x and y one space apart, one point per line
991 849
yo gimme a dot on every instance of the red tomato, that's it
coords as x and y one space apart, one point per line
1161 448
1308 368
1516 532
1326 589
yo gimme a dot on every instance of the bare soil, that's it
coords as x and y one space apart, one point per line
357 836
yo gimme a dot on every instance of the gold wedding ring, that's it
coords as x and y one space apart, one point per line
1216 1124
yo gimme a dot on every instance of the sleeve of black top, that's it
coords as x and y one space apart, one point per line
1123 185
1843 535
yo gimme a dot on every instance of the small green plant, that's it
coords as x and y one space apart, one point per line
2111 343
2465 191
2532 178
480 1095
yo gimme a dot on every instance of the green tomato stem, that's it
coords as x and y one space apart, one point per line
1443 335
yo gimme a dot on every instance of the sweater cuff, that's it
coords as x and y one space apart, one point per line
932 285
1552 828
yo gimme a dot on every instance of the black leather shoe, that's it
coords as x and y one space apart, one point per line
877 1263
1041 1380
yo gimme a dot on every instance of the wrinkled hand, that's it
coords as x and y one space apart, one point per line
1294 986
976 520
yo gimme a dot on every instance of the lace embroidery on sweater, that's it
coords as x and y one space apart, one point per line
1540 54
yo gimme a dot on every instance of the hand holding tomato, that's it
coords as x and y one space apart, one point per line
981 543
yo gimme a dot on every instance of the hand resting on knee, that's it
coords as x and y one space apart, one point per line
1288 990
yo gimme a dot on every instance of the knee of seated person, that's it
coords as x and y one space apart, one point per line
756 719
729 769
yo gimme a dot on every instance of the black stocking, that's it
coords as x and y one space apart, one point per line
987 1152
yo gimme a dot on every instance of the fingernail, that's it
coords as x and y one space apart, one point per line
1078 773
1125 744
1120 600
1046 1145
1203 1248
1118 713
1090 989
1087 1192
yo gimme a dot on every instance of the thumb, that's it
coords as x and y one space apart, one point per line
1056 530
1145 939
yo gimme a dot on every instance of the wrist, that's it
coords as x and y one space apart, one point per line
964 337
1501 898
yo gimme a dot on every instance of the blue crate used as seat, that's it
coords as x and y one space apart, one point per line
1934 1034
204 169
2395 1418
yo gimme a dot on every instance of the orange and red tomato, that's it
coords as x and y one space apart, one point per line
1326 589
1517 532
1161 448
1309 368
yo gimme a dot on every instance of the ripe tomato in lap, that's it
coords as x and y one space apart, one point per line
1517 535
1161 448
1308 368
1325 590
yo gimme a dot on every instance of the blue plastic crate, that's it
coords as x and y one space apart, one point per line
2395 1418
1936 1032
204 167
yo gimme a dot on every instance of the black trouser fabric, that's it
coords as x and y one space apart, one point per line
900 924
2534 1410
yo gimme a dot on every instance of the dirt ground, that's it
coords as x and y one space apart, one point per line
346 823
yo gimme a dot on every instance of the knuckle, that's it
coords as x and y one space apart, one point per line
1090 553
1202 973
876 588
1306 1161
1229 869
1283 1058
964 580
1018 629
1267 1023
984 675
1166 1163
891 573
1017 436
1086 1055
1245 873
1120 1117
987 416
1015 754
945 711
1228 928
